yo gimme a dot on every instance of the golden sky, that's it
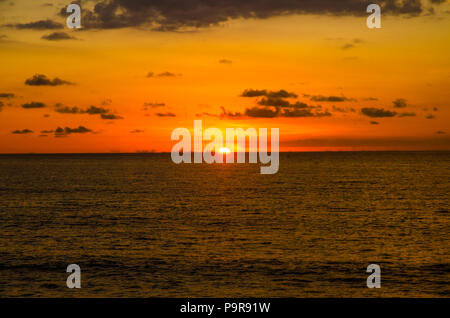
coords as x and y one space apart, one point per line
123 84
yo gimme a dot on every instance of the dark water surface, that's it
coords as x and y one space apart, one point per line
141 226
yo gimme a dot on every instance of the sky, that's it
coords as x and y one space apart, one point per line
137 70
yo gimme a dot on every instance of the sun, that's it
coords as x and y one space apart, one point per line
224 150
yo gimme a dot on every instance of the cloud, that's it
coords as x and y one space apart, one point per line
7 95
94 110
347 46
165 115
225 61
1 106
42 80
163 74
33 105
334 99
22 132
261 112
181 15
168 74
374 123
377 112
271 94
254 93
153 105
406 114
38 25
278 102
59 132
304 113
104 113
68 110
351 45
343 110
400 103
57 36
137 131
110 116
440 132
430 116
207 114
272 112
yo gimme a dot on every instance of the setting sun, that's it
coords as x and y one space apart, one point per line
224 150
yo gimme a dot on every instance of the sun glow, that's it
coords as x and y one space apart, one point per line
224 150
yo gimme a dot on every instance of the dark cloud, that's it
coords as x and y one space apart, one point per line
104 113
343 110
168 74
153 105
335 99
377 112
304 113
254 93
68 131
440 132
137 131
207 114
400 103
165 115
7 95
271 94
22 132
261 112
110 116
281 94
163 74
352 44
407 114
33 105
38 25
430 116
225 61
179 15
42 80
347 46
94 110
57 36
277 102
68 110
272 112
1 106
106 102
374 123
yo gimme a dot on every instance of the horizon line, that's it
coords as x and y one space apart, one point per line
168 152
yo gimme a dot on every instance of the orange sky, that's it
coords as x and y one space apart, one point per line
306 54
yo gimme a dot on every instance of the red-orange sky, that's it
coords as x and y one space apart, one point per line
312 69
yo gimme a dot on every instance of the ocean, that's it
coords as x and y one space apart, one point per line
139 225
